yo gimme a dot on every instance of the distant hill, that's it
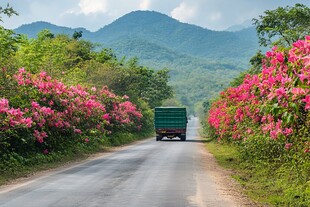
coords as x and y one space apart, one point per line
31 30
201 61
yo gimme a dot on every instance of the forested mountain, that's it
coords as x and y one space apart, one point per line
201 61
164 31
184 38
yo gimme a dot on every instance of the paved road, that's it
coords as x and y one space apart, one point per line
168 173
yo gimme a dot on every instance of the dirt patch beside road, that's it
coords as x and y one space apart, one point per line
227 187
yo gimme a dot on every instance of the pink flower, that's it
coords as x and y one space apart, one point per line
42 74
86 140
298 92
269 54
307 101
94 89
13 123
22 70
298 43
35 105
28 122
287 131
77 131
4 105
288 146
249 131
45 151
39 136
280 92
280 57
46 111
106 117
302 77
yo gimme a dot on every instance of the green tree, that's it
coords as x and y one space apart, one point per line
8 11
77 35
256 62
9 44
159 88
9 41
129 78
149 85
106 55
45 35
283 26
256 68
61 56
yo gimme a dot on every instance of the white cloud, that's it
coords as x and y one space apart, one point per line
91 7
145 5
184 12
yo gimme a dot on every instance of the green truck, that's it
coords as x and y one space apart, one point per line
170 122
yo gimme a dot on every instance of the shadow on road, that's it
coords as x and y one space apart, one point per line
188 140
198 141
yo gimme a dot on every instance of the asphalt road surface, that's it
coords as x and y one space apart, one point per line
167 173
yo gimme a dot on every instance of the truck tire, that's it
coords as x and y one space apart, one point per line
158 138
183 138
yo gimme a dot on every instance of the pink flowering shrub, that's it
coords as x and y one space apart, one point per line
47 112
272 107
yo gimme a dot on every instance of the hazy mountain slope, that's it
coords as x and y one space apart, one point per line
234 28
184 38
194 79
157 56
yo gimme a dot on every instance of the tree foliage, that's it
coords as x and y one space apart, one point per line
77 34
283 26
9 43
76 61
8 11
131 79
72 93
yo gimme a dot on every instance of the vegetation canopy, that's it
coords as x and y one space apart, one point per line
283 26
60 94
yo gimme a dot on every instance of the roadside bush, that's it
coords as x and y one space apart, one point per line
272 108
45 115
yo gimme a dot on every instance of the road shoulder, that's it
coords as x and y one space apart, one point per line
226 186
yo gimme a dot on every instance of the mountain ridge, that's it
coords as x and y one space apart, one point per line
164 31
33 28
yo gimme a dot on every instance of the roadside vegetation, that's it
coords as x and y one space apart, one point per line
262 123
62 98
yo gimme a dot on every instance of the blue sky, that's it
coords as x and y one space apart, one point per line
94 14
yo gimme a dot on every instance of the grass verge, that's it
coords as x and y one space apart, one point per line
271 184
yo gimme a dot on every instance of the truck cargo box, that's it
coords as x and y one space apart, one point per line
170 122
